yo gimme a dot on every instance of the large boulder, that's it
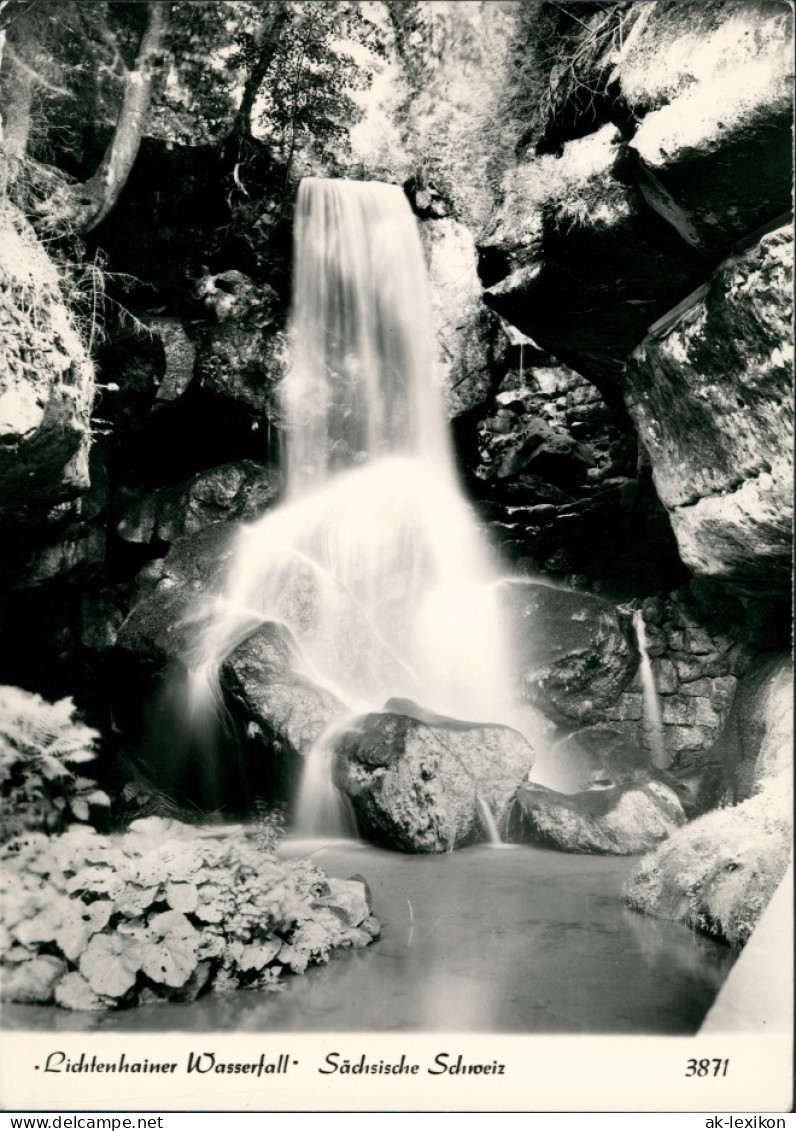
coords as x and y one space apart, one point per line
714 83
576 259
668 137
419 782
573 653
173 603
710 393
468 336
615 819
262 675
719 872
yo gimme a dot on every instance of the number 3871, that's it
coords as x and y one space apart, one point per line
714 1067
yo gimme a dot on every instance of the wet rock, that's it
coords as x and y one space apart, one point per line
755 747
166 619
719 872
414 782
244 356
702 637
288 708
710 392
574 653
235 491
239 362
180 356
468 336
616 819
597 756
78 548
349 901
46 382
427 200
233 295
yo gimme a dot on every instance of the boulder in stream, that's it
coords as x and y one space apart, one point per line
719 872
418 781
614 819
261 676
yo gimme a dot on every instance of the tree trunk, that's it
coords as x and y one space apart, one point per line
17 105
88 204
269 35
19 81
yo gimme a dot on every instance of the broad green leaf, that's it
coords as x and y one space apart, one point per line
110 963
171 952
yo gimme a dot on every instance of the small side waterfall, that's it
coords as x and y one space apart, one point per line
490 824
374 562
653 720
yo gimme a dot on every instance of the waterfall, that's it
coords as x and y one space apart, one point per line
374 561
653 721
490 824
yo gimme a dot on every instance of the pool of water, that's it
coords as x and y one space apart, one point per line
514 940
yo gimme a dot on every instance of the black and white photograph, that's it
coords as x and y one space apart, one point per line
396 492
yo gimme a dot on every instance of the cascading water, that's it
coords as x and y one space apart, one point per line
374 561
653 720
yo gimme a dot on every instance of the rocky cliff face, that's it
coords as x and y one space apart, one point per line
46 397
710 391
618 253
646 248
469 342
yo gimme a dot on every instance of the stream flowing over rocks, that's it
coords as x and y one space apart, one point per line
610 355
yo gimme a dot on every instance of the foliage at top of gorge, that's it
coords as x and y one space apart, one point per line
400 89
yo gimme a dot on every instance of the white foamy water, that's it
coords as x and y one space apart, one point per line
653 720
374 562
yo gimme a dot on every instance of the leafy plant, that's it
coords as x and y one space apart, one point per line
163 912
40 742
271 822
